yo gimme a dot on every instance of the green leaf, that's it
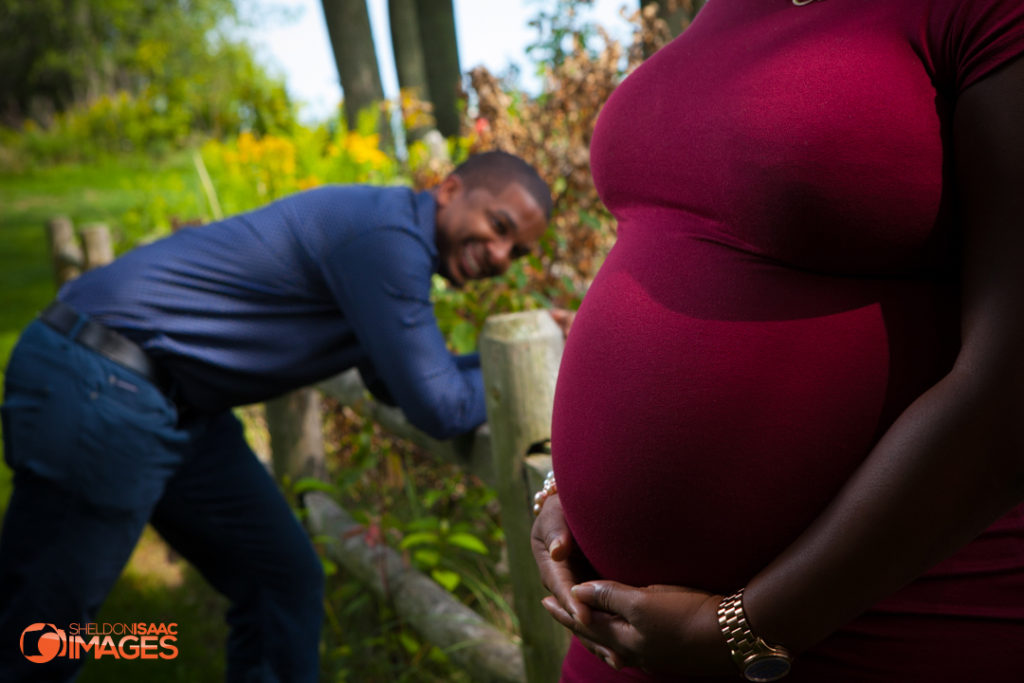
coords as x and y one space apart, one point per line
463 337
468 542
448 579
410 644
431 497
426 558
590 220
430 523
419 538
437 656
307 484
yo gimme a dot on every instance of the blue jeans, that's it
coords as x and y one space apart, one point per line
97 452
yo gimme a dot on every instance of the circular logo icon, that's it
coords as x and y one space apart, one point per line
42 642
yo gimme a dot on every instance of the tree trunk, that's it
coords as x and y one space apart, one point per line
348 25
88 89
411 68
441 57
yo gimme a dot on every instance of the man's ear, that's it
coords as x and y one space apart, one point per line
448 188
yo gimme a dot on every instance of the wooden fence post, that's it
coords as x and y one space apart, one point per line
99 250
520 353
64 249
296 435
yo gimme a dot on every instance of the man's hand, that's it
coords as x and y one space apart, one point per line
564 319
667 629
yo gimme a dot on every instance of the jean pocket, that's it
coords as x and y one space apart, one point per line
126 454
22 414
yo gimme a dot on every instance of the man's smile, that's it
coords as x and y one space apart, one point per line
473 260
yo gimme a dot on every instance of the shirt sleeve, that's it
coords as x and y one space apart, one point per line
976 37
381 280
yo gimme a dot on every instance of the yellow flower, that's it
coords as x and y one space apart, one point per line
364 149
309 182
280 152
248 148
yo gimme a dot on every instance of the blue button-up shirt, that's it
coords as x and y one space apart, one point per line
255 305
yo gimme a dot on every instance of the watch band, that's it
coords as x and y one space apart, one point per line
756 659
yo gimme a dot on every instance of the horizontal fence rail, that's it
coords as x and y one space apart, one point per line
479 648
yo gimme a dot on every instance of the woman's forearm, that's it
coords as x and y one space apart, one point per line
954 461
950 466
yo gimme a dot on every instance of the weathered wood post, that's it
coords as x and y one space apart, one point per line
296 435
64 249
520 353
99 249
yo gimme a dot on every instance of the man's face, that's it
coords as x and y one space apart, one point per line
480 232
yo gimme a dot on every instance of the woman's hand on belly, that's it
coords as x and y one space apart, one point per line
661 628
558 560
665 629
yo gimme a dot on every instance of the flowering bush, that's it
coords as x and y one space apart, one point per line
250 170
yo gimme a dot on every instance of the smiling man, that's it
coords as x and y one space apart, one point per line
484 221
117 400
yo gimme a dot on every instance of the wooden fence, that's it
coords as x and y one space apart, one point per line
520 353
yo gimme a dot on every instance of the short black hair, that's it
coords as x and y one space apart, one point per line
495 169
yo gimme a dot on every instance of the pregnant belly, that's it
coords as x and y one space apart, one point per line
691 446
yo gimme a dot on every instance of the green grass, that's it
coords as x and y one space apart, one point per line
103 193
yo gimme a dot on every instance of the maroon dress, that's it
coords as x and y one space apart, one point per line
784 283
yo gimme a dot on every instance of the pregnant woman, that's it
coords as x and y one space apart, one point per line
789 423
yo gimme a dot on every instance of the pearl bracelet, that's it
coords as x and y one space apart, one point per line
549 489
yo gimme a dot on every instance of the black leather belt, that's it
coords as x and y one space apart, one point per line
104 341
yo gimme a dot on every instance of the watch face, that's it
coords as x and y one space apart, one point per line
767 668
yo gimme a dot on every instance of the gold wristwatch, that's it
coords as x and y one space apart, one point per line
756 659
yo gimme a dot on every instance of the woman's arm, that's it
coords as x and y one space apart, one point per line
954 461
951 465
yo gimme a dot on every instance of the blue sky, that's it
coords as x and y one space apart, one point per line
490 32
